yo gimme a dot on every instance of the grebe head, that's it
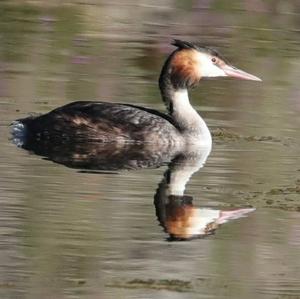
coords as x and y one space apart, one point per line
191 62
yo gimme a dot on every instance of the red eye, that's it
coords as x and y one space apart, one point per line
214 59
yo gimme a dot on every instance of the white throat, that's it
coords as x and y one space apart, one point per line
188 119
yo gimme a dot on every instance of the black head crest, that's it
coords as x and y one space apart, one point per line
187 45
183 44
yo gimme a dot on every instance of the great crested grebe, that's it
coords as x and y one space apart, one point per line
112 122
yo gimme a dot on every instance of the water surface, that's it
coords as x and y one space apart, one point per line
67 233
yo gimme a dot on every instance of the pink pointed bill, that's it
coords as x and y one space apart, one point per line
231 71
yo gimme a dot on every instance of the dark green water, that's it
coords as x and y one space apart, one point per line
71 234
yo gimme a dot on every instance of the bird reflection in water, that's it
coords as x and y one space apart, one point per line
174 210
184 222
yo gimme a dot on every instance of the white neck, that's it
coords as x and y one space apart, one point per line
188 118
